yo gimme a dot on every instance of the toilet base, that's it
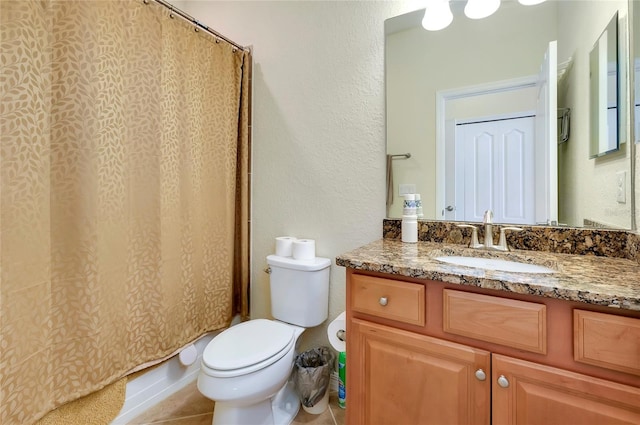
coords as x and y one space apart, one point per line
285 405
281 409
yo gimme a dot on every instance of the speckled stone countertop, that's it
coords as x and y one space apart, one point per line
605 281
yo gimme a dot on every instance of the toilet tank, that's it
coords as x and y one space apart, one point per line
299 290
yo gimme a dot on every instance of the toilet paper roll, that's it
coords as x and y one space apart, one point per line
304 249
336 329
284 246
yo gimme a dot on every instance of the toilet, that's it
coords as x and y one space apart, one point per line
246 368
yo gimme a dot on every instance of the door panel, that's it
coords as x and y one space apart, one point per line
513 196
498 170
405 378
543 395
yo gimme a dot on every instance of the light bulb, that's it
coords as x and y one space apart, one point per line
437 15
478 9
530 2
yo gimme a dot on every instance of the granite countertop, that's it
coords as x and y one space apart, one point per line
606 281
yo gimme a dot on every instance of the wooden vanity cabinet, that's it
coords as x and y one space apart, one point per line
400 377
533 394
421 363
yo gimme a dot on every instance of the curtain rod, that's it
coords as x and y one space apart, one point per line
191 19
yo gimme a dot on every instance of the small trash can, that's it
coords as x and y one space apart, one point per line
311 378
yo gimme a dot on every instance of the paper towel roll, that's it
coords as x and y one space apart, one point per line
333 330
304 249
284 245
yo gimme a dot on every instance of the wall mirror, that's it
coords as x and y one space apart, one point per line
444 84
634 7
603 92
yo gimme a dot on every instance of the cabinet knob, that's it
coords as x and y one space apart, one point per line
503 382
383 301
481 375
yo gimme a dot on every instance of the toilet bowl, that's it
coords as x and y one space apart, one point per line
246 368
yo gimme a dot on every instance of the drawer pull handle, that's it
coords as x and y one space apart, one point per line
383 301
481 375
503 382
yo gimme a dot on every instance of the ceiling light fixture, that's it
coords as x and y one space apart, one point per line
478 9
437 15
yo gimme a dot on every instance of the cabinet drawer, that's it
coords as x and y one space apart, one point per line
606 340
517 324
389 299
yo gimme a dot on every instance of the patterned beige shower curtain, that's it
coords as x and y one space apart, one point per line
123 194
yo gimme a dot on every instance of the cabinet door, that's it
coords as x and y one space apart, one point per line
399 377
533 394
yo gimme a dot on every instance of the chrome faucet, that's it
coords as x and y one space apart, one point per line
487 221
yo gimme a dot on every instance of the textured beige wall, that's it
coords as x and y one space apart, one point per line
319 142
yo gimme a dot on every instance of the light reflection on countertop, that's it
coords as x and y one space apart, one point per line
606 281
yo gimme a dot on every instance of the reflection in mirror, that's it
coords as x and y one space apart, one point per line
509 47
634 31
603 91
634 6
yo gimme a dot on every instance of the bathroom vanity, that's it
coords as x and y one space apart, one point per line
431 342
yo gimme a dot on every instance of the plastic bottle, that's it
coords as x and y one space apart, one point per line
409 219
419 211
342 379
409 228
409 205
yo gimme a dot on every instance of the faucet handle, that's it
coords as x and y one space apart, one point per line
473 243
488 217
502 244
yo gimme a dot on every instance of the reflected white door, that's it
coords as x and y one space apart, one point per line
495 170
546 146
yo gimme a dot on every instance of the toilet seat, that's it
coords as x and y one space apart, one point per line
247 347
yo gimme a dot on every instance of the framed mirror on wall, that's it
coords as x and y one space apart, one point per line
604 92
507 47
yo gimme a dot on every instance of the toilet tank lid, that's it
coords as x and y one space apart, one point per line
316 264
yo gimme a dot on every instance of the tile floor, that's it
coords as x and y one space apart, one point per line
189 407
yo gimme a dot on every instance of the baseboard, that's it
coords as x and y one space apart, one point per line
159 383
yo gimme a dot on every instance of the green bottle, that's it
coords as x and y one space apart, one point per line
342 379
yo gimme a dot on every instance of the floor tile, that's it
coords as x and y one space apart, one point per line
307 418
189 407
338 412
189 420
187 402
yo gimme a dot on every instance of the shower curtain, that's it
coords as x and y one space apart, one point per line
124 164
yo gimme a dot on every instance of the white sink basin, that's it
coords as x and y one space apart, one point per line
495 264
